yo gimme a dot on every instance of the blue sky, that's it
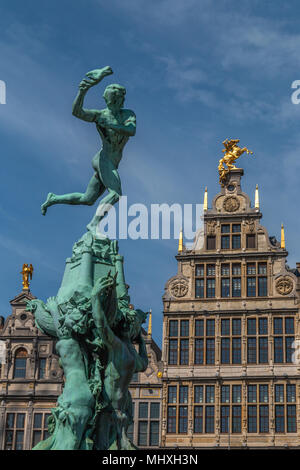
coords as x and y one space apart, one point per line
196 72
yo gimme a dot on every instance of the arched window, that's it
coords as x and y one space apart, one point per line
20 364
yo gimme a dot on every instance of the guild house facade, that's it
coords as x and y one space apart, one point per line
231 316
31 381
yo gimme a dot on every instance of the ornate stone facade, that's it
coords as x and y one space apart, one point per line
229 374
31 380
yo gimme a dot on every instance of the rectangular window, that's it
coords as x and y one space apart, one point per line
210 328
250 241
251 286
236 351
262 287
199 288
210 419
199 351
236 326
198 419
278 349
236 228
173 345
252 418
184 352
211 242
236 393
279 418
143 410
291 393
263 350
225 242
236 242
291 418
225 270
225 412
264 418
263 326
263 394
171 426
289 326
183 419
225 394
143 433
173 328
278 329
289 350
199 328
225 350
225 228
252 394
172 394
279 393
236 269
236 419
251 326
198 391
225 327
210 351
236 287
154 410
262 268
210 393
251 269
200 270
20 368
225 287
251 350
183 394
184 328
42 367
210 288
154 433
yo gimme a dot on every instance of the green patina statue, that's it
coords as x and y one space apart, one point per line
115 125
98 331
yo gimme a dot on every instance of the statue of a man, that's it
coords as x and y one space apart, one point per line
115 125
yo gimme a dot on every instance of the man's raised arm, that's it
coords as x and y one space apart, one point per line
94 77
78 110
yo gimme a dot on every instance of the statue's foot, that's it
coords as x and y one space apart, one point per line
47 203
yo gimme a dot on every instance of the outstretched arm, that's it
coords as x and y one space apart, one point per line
77 110
94 77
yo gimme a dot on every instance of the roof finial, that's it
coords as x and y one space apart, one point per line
26 272
205 200
150 323
282 243
256 197
180 243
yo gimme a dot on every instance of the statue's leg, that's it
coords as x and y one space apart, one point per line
94 190
76 404
111 180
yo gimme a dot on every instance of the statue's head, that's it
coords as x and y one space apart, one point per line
114 96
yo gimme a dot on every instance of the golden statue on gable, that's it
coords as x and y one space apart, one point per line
26 272
232 153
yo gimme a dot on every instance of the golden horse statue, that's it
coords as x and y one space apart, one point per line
232 152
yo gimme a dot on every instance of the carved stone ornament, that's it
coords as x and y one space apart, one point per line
284 285
211 227
250 225
179 288
231 204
